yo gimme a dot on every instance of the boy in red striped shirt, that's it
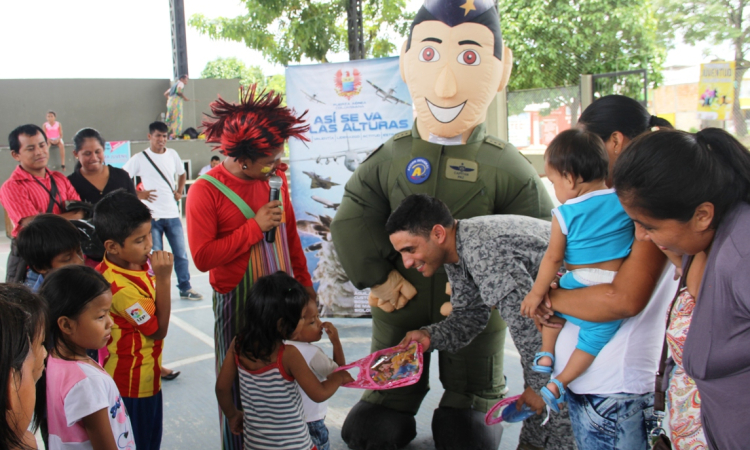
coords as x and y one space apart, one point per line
141 304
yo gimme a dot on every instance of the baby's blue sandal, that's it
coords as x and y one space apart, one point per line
549 397
543 369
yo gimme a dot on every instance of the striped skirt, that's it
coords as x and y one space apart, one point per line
265 259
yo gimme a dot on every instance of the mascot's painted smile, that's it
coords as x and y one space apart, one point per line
445 115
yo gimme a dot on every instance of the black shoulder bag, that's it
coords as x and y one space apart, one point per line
53 194
17 266
166 180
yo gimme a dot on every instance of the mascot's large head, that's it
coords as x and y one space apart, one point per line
454 63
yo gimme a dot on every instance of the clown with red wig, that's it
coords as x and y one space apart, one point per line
228 211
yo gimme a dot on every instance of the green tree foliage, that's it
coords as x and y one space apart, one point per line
286 31
277 83
555 41
716 21
228 68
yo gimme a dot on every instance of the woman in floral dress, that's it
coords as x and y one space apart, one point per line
175 99
683 399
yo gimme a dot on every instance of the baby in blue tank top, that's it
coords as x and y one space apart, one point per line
591 235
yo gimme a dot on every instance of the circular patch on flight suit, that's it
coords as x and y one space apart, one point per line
418 170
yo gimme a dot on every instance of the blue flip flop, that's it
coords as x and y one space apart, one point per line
550 399
543 369
510 414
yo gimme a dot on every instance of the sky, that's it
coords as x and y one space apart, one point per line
131 39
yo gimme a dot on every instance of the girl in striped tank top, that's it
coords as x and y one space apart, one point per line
269 372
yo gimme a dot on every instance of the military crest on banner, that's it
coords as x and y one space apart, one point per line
348 83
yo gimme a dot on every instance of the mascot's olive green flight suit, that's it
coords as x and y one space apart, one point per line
484 176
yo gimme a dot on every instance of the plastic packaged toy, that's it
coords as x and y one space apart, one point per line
509 412
388 368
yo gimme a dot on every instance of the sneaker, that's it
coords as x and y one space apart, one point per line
191 294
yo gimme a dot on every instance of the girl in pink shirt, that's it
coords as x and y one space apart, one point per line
53 130
84 408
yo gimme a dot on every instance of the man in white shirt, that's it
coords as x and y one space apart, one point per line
157 166
215 161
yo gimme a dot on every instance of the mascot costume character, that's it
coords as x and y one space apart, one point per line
453 63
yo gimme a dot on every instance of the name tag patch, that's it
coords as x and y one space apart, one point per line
138 313
418 170
462 170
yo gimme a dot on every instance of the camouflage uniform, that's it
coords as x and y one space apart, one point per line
499 257
502 182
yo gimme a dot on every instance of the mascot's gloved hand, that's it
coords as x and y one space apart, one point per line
447 308
378 303
395 293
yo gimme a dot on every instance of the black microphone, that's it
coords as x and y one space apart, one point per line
275 183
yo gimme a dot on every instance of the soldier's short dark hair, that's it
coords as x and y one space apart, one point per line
418 214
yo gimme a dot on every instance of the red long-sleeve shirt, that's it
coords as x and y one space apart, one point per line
23 196
220 237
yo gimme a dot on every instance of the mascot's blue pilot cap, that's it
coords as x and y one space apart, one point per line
456 12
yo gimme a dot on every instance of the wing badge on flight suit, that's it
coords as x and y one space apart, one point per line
462 170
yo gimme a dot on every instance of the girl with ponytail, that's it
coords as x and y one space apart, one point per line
84 407
690 194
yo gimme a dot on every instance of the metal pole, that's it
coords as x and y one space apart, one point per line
497 116
502 114
587 91
361 28
355 30
179 42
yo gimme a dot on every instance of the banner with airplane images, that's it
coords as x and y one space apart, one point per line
353 108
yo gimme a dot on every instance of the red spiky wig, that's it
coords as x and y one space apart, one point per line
253 127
